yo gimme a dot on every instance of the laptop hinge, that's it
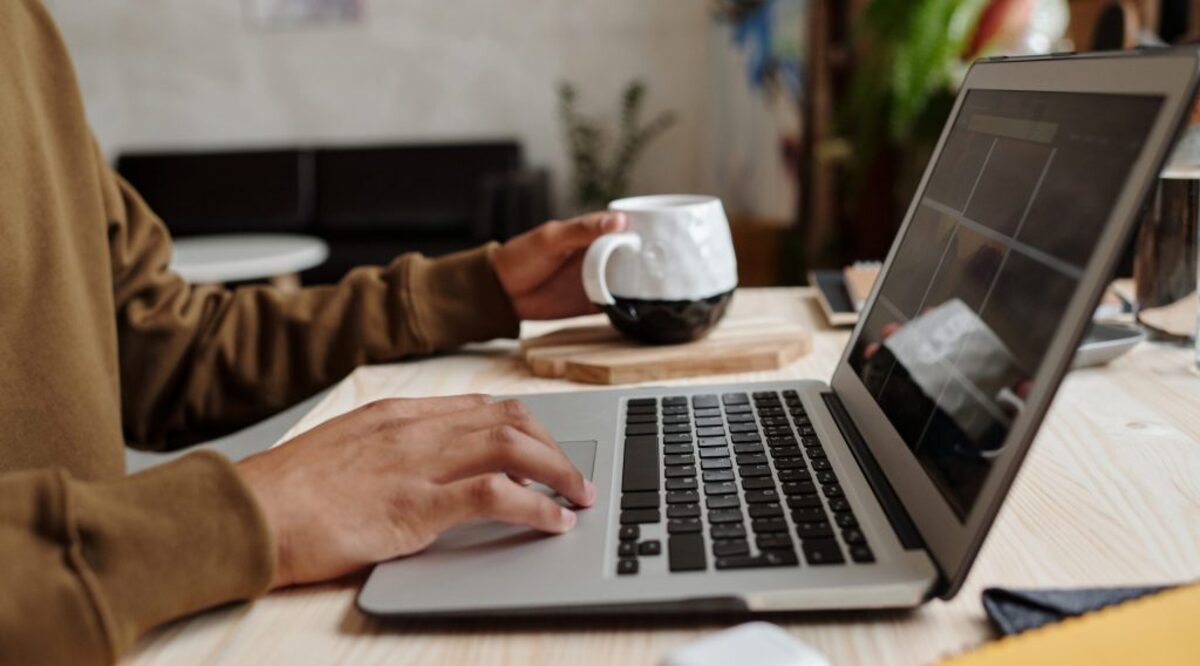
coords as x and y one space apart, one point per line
902 524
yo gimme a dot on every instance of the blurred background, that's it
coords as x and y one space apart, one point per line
375 127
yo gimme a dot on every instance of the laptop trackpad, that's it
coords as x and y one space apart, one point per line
491 534
582 455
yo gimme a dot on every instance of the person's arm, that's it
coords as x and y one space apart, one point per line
87 567
200 360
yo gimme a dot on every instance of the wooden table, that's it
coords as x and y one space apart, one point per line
1109 495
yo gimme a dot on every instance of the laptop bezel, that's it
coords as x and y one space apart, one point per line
951 542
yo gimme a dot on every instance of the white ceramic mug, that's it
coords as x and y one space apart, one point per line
669 277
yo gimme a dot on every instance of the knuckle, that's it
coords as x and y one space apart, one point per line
515 412
485 491
479 399
504 439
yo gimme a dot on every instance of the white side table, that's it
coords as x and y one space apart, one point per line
235 257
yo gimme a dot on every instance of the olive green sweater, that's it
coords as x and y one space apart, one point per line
103 345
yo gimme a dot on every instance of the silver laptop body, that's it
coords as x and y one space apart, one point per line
878 488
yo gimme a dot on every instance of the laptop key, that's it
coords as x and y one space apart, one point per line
853 536
641 409
789 463
723 502
677 429
776 541
641 402
702 401
677 449
862 554
740 418
650 547
684 526
636 516
832 490
678 460
761 496
682 497
747 448
627 549
683 511
709 422
685 483
641 418
680 472
746 438
754 471
771 510
794 475
739 409
727 547
714 452
640 500
639 471
846 519
808 514
672 419
816 453
686 552
711 412
674 401
629 533
763 525
627 566
718 475
817 529
821 464
710 432
728 531
716 463
822 551
675 409
721 516
641 429
758 483
706 442
826 476
677 438
812 501
751 459
799 487
770 558
726 488
735 399
838 504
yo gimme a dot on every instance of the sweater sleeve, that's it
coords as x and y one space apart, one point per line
87 567
197 361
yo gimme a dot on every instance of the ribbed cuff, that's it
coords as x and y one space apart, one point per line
458 299
172 540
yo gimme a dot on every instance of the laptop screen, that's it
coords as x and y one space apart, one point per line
1013 209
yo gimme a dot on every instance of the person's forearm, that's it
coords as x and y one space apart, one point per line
87 567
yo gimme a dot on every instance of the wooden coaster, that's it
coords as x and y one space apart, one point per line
597 354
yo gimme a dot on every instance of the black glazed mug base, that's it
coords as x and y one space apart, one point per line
667 322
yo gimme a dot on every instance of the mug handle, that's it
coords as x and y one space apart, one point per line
596 261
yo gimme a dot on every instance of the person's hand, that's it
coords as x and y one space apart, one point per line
386 479
541 269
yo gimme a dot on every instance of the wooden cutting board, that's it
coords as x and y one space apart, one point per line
597 354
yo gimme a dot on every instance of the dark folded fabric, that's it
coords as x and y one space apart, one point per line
1014 611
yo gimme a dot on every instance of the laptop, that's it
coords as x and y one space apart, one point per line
877 488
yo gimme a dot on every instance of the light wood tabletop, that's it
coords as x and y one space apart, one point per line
1109 495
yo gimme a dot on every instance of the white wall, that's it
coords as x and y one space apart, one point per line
196 73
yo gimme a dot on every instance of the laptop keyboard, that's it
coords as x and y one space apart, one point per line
741 480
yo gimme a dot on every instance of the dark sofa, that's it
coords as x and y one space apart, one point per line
370 203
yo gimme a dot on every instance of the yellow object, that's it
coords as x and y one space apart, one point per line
1160 629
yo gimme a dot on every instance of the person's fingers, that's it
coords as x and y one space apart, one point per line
453 425
495 497
506 449
567 236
